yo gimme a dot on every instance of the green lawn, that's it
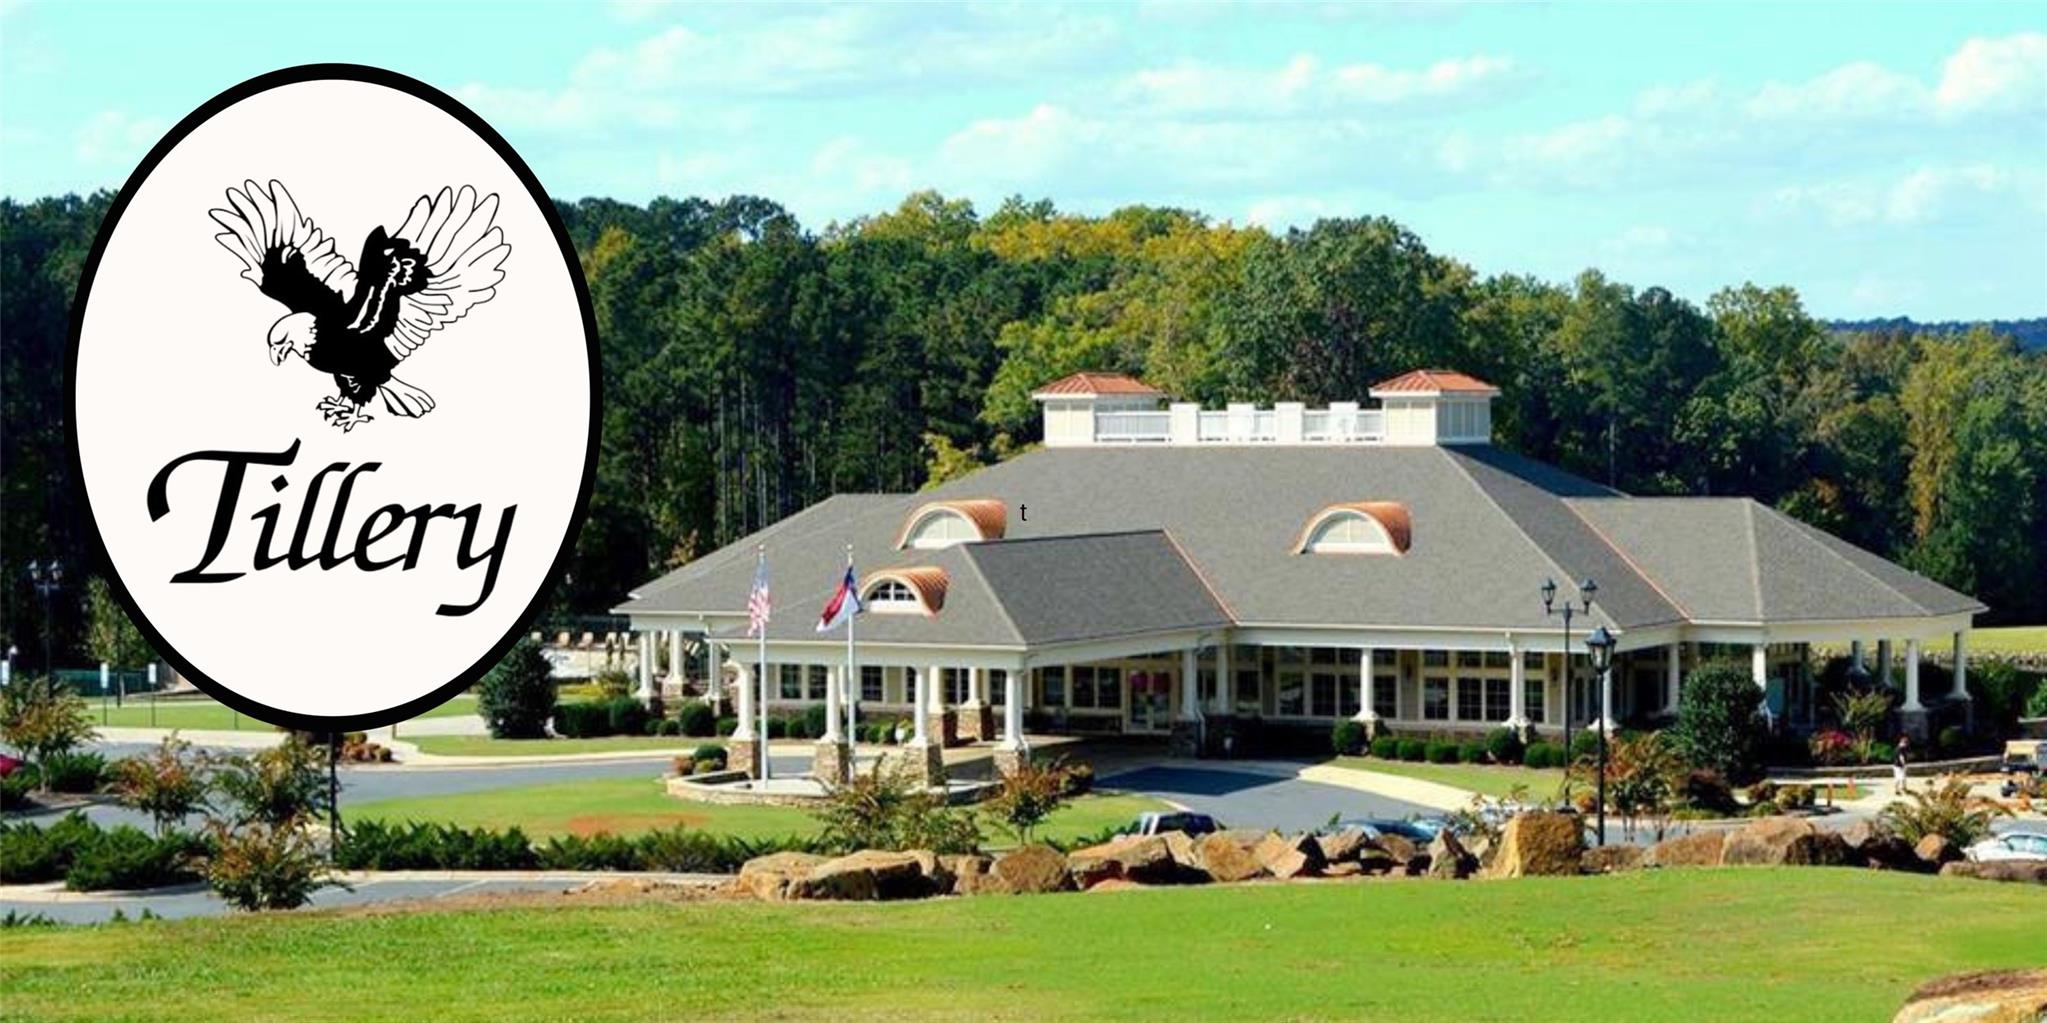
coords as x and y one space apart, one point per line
485 746
1803 944
202 713
1541 783
625 805
2017 639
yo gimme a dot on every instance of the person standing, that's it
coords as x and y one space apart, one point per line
1898 764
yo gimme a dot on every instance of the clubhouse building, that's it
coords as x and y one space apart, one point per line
1159 568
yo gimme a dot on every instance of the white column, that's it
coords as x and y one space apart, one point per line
675 672
1883 659
935 691
1673 666
1225 687
1368 684
1517 688
920 707
744 729
977 685
1855 654
1012 709
1912 676
1190 683
1606 723
1961 689
646 693
835 677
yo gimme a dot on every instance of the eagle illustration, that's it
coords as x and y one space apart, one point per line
359 323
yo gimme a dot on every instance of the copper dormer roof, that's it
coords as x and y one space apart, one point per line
1097 385
1435 381
928 582
1391 516
990 518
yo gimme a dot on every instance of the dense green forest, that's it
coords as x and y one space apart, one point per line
753 366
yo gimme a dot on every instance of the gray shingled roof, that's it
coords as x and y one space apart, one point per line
1066 589
1488 528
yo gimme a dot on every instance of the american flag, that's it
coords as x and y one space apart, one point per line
757 603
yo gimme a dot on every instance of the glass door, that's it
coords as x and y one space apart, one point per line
1151 701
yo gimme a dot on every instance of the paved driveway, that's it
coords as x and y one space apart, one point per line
1256 800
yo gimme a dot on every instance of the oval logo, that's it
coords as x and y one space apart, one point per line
334 396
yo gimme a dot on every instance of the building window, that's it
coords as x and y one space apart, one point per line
1291 693
1534 660
893 596
1436 698
1349 532
942 528
1207 684
1469 707
1386 696
872 680
820 680
1322 655
1499 659
1435 658
1322 694
1498 691
1109 687
998 687
1248 698
956 685
1052 686
1470 659
1347 698
1537 686
789 681
1084 686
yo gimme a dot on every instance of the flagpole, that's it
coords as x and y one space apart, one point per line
852 679
763 672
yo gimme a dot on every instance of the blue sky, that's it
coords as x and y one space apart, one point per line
1882 158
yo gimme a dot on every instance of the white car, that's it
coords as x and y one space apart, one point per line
2012 845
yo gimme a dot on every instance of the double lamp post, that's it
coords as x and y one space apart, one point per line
1599 645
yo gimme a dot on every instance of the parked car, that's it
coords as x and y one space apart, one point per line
2024 755
2012 845
1192 824
1414 829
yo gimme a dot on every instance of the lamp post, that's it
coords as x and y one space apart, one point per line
7 666
1600 644
47 579
1586 590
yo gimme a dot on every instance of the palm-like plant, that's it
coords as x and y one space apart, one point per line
1946 809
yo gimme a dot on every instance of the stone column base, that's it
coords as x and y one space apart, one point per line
1522 728
976 722
1009 758
743 754
925 762
1374 725
1185 738
832 762
1917 724
945 728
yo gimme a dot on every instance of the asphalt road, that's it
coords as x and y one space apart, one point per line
1244 799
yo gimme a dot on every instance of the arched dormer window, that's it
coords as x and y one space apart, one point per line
1362 527
906 591
945 523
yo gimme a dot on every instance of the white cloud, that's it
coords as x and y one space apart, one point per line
1921 196
115 138
1302 85
1996 74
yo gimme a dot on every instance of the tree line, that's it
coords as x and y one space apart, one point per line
752 366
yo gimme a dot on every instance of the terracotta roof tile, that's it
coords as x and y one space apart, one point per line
1444 381
990 517
928 582
1391 516
1095 384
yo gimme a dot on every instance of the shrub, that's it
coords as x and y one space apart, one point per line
2036 704
695 719
1440 751
517 697
601 851
1952 740
127 857
279 785
166 783
1543 753
884 809
727 724
1703 788
1080 779
1795 797
613 683
73 771
1413 749
1584 745
653 725
1716 720
624 715
778 728
814 720
376 845
1347 738
1832 746
1386 747
30 854
265 866
586 720
1504 746
43 718
1946 809
1880 753
714 755
1027 795
1863 713
1471 751
16 786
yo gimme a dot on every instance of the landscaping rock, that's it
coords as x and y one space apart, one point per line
1611 859
846 879
938 876
1407 857
1698 849
1995 996
1784 842
1875 845
1225 858
2019 871
1374 858
1347 868
769 877
1285 856
1115 884
895 875
1936 851
1031 869
1142 858
1344 846
1449 860
1180 846
1539 845
969 872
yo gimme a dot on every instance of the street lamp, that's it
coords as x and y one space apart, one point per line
1586 590
47 579
1600 644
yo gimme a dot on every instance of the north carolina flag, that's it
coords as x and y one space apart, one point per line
843 605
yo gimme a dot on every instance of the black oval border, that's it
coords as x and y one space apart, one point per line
454 108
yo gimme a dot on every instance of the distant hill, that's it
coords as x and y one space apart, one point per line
2030 334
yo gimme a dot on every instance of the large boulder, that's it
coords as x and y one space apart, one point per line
1031 869
1873 844
969 872
1225 857
1935 851
1187 864
1995 996
1698 849
1343 847
1448 859
1784 842
867 874
1407 857
2020 871
1375 858
937 873
1539 845
1145 859
770 877
1612 859
1286 856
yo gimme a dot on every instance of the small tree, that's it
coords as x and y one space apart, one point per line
1717 712
265 866
43 718
1026 796
110 635
884 809
278 786
167 783
517 697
